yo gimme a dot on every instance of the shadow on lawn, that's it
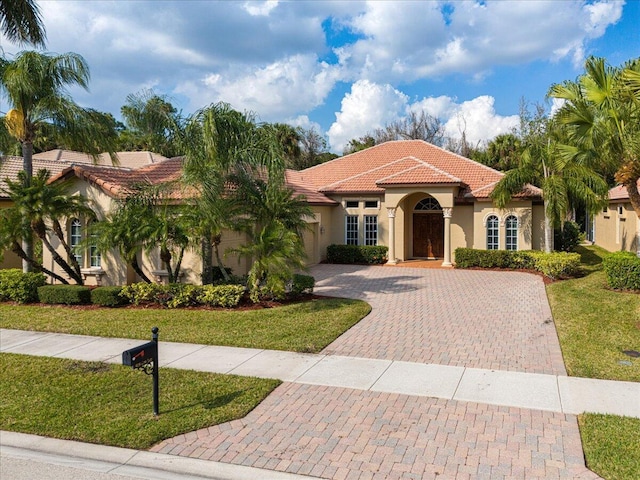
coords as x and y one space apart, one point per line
217 402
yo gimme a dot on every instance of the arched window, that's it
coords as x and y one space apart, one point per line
95 258
492 233
428 204
511 229
75 237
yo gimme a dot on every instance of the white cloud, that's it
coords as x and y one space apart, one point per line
478 120
368 106
281 89
262 9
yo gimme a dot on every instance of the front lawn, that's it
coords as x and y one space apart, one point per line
112 405
596 324
300 327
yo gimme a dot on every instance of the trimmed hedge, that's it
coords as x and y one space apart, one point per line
622 270
20 287
357 254
65 294
553 265
108 297
302 284
227 296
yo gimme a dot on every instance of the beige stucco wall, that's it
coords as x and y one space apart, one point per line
522 210
616 231
8 259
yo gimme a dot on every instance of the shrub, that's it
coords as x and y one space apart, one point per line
622 270
181 295
108 297
227 296
141 293
359 254
64 294
20 287
553 265
568 237
302 284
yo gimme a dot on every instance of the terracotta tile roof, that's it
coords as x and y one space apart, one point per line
620 192
124 159
10 166
117 181
367 170
300 187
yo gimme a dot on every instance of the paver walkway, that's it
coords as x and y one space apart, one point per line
465 318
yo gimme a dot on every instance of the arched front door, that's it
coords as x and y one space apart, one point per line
428 229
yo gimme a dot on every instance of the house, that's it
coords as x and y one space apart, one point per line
421 201
55 161
617 226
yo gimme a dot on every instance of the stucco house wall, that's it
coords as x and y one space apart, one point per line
616 227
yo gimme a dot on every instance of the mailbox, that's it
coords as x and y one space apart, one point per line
141 355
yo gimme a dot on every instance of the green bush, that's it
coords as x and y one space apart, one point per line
181 295
64 294
108 297
358 254
553 265
141 293
20 287
302 284
227 296
622 270
568 237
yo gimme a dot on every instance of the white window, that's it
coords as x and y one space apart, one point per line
352 204
75 237
371 230
511 230
492 233
371 204
428 204
351 230
95 258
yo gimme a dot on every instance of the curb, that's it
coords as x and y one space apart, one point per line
126 461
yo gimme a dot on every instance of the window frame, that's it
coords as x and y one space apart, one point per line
511 227
371 234
493 232
347 202
75 240
351 236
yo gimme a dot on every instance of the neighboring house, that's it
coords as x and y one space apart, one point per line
421 201
55 161
617 226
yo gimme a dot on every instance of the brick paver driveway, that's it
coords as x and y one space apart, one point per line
470 318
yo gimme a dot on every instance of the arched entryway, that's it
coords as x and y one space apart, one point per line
428 229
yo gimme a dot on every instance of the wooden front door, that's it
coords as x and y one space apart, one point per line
428 235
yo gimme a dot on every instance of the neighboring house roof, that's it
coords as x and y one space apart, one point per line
10 166
123 159
620 193
405 162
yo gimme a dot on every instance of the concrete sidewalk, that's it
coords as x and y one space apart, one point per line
553 393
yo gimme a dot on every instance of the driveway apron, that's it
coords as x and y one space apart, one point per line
496 320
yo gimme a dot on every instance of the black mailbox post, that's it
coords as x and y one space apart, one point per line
145 357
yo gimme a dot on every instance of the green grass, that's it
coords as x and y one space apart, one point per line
112 405
595 324
611 445
300 327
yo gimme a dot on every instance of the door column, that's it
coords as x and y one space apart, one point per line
446 213
391 212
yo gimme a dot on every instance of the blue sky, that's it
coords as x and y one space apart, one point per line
344 68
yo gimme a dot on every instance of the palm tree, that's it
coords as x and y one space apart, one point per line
565 182
602 116
34 84
20 22
44 205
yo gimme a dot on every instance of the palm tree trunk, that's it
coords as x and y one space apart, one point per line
17 249
27 166
548 232
216 247
207 259
59 260
136 268
60 234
